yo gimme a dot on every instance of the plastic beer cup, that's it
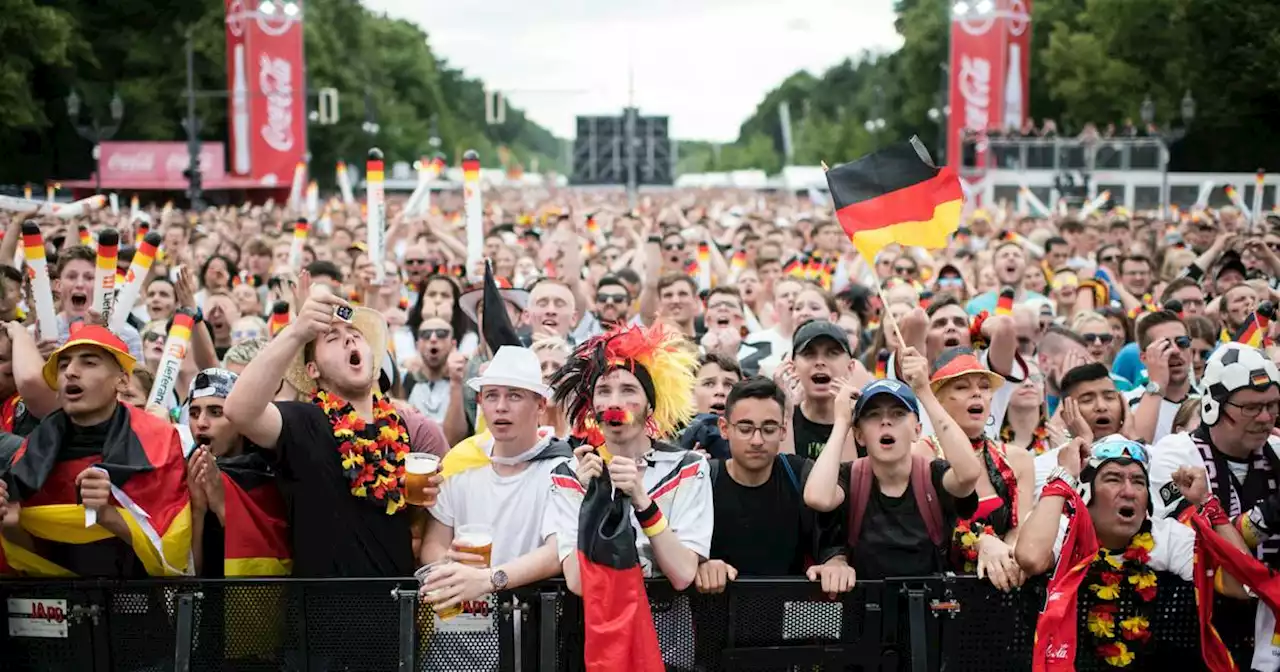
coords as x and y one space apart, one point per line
421 576
418 470
476 540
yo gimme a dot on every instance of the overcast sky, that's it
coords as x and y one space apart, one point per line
704 63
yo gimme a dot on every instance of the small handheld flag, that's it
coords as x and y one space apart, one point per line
376 200
175 350
896 195
85 238
1004 304
41 287
104 274
141 234
279 318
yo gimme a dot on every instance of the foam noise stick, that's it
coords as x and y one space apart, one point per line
1004 305
376 200
473 201
1260 183
38 271
134 208
114 199
175 350
51 190
26 191
300 230
704 266
313 200
882 364
134 279
67 211
104 274
143 229
296 188
344 184
279 318
1237 199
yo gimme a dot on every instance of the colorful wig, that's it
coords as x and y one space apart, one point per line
659 357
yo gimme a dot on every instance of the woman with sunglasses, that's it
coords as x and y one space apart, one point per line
1026 424
1098 337
950 281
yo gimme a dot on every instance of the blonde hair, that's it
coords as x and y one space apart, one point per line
1083 319
552 344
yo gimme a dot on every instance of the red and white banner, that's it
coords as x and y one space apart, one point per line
266 76
159 165
990 70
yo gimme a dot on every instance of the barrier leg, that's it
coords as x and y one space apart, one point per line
548 637
407 601
915 613
183 636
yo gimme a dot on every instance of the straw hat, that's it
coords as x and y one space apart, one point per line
370 324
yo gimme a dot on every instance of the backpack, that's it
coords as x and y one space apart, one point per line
926 497
782 458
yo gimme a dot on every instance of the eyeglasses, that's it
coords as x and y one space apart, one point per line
1202 354
619 299
1254 410
673 246
1098 338
1183 342
438 333
768 431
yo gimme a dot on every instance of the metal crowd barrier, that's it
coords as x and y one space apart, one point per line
371 625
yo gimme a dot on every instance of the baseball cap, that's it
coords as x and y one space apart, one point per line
814 329
898 390
212 383
1231 262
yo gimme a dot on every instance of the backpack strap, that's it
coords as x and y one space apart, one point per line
926 497
860 478
714 466
791 473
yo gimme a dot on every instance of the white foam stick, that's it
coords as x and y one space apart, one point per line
344 184
415 198
474 203
295 189
1202 198
376 201
313 201
134 209
1260 183
41 287
45 208
175 350
1092 206
1237 198
104 274
114 199
1034 201
300 230
133 281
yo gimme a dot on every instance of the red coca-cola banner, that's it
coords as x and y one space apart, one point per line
990 70
266 79
158 165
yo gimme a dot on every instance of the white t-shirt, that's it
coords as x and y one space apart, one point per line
768 347
1168 409
513 506
683 493
1174 551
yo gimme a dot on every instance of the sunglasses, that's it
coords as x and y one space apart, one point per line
414 262
619 299
152 337
1098 338
1109 259
904 270
671 247
438 333
1117 450
1183 342
949 281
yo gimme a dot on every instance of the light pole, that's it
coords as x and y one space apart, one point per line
94 131
876 123
370 125
1167 138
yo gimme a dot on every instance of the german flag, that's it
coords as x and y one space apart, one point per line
896 195
85 238
279 318
619 633
794 267
143 456
257 536
739 261
1004 304
882 364
1253 330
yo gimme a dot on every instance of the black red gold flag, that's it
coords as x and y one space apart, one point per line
256 537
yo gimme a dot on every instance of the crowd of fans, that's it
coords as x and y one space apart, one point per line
771 403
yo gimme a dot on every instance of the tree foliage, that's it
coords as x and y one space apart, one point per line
136 48
1091 60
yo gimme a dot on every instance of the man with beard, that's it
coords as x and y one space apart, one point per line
1092 406
1010 264
427 386
1234 442
612 308
342 522
74 288
1166 352
716 375
233 489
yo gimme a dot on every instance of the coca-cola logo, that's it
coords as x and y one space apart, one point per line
275 82
137 162
1058 652
975 90
277 23
1019 17
235 18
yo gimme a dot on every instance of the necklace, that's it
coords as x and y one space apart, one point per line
1115 635
372 453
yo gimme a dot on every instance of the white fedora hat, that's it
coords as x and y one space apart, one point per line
513 367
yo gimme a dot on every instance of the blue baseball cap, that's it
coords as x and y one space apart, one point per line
897 389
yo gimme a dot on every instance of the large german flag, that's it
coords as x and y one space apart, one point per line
256 536
896 195
143 456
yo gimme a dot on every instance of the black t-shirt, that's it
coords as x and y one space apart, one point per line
894 540
810 437
332 532
746 516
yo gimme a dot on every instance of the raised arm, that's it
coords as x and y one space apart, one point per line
965 470
28 372
822 492
1039 532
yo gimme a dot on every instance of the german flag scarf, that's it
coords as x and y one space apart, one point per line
256 534
142 455
1055 644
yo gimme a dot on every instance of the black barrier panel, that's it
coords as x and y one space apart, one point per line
370 625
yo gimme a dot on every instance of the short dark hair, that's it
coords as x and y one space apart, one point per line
1152 320
676 278
325 269
1063 332
1174 286
612 281
725 363
12 273
817 228
628 275
1203 328
763 260
727 290
1085 373
942 302
1135 258
1054 241
77 253
757 387
1071 226
827 298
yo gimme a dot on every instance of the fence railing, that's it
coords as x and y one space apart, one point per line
1060 154
370 625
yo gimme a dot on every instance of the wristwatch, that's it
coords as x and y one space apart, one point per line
498 579
1153 389
1059 472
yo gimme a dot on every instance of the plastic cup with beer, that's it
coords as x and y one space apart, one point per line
475 539
431 595
418 470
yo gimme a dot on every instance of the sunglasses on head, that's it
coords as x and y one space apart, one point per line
438 333
611 298
1118 450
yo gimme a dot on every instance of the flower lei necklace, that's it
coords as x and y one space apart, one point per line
1114 634
966 538
372 453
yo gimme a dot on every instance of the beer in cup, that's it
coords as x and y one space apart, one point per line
421 576
475 539
418 470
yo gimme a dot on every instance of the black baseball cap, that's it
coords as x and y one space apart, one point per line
1231 262
815 329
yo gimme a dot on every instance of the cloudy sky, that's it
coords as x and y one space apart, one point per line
704 63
